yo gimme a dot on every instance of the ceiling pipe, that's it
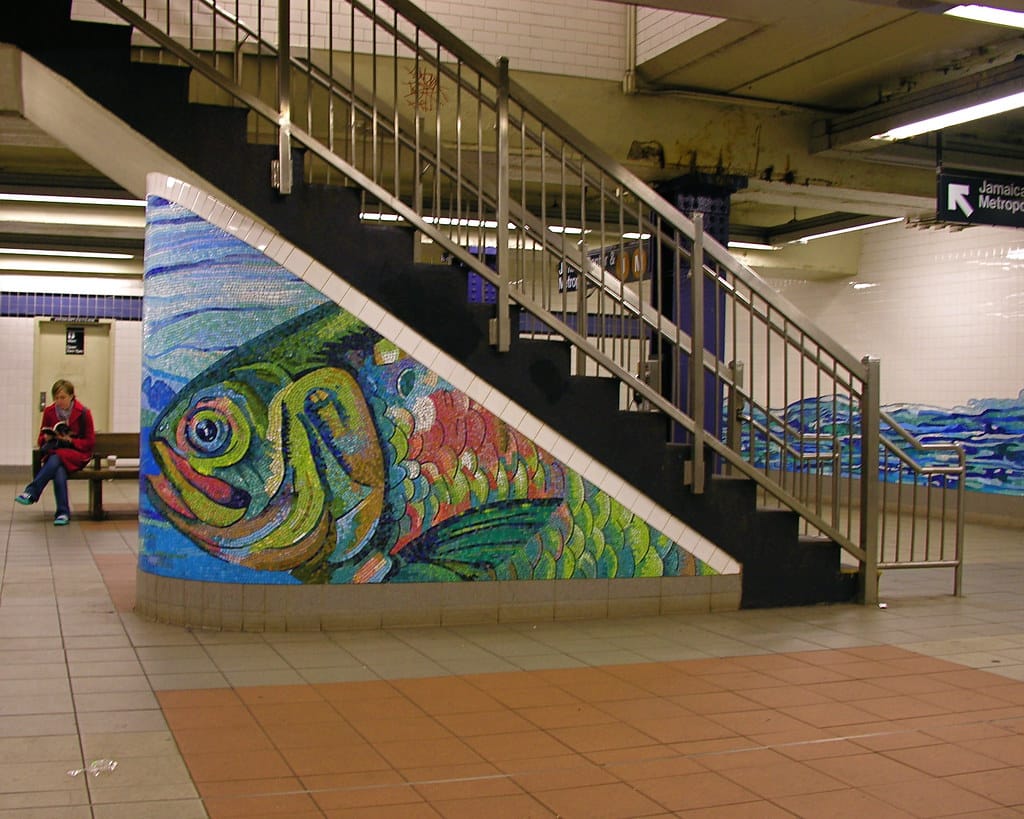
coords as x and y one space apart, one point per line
629 78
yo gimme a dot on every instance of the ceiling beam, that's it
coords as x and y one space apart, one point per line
854 132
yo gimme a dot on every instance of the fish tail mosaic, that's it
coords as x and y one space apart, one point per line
287 442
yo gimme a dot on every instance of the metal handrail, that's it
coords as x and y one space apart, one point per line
748 314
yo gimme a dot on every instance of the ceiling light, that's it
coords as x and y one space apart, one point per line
805 239
71 200
961 115
970 97
69 254
987 14
573 231
752 246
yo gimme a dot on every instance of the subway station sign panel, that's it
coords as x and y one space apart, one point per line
980 198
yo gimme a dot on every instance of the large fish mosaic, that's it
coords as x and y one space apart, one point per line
320 449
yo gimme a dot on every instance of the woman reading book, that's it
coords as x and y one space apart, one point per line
67 438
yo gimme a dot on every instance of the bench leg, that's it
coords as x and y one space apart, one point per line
96 499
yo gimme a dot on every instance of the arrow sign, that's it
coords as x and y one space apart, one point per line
980 198
958 199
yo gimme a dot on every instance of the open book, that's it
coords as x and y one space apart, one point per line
60 428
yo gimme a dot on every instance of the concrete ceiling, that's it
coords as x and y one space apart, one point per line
810 69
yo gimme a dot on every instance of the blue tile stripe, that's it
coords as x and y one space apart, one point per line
71 306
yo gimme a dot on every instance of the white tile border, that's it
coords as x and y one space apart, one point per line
296 261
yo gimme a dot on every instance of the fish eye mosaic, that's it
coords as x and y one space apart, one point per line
284 441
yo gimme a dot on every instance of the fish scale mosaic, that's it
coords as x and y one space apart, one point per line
284 441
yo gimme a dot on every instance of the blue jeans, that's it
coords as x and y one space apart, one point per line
52 470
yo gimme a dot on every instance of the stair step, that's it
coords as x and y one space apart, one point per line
44 29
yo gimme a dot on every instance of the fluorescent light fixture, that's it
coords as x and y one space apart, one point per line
805 239
71 200
752 246
444 221
863 285
634 235
568 231
937 123
987 14
67 254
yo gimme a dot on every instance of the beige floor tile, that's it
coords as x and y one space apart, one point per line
152 809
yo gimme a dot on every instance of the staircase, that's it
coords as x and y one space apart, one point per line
782 563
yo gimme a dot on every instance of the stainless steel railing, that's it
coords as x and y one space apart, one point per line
387 101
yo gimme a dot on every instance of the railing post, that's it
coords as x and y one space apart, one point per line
870 419
733 407
281 171
581 306
501 334
697 353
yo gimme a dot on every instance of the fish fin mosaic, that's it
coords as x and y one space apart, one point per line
285 441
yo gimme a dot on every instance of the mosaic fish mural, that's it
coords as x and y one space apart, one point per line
287 442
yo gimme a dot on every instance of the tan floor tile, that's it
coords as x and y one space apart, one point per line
845 804
782 779
612 800
336 759
273 804
746 810
216 766
152 809
397 795
945 760
50 812
931 797
694 791
1004 786
567 771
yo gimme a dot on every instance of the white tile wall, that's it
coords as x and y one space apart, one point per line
19 410
946 314
125 406
529 32
658 30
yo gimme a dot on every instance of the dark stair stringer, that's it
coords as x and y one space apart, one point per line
779 567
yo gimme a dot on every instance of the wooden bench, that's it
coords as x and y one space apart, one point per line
121 445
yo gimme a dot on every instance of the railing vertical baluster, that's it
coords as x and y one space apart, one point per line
958 572
697 353
283 174
502 336
870 418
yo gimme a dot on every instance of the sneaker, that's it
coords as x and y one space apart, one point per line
61 520
24 499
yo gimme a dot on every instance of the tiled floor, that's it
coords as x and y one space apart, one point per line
915 709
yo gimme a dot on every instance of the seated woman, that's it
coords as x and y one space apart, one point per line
67 438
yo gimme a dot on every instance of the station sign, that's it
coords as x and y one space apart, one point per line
975 198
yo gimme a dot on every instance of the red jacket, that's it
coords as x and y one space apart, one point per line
83 435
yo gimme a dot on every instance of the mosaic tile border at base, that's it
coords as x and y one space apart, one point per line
258 608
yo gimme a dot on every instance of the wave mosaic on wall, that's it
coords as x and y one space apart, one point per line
287 442
991 431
